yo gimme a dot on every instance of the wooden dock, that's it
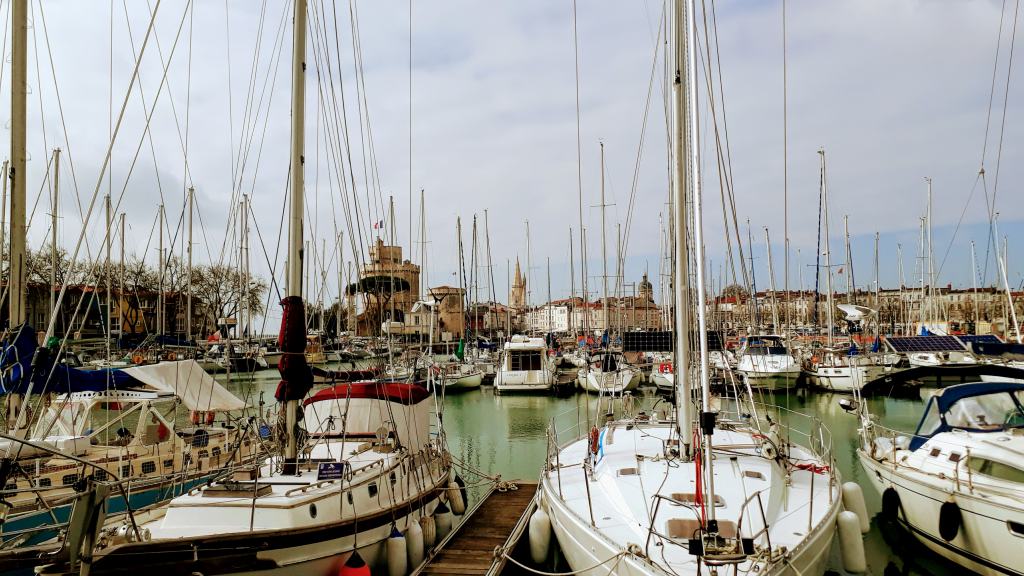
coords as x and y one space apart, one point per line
499 519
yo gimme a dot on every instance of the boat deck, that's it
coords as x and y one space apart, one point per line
499 519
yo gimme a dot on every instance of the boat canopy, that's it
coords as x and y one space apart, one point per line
397 392
187 380
975 407
20 369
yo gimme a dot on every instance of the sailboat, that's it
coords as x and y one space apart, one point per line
359 468
651 495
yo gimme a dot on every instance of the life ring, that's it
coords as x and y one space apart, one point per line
171 356
950 519
137 359
595 437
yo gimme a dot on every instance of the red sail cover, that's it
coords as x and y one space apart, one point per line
397 392
296 377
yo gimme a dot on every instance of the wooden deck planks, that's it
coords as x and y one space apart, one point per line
471 551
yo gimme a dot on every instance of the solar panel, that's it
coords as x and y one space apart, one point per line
980 339
906 344
664 341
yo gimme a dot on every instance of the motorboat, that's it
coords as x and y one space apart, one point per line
765 362
608 373
524 366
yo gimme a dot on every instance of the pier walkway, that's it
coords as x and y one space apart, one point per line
499 519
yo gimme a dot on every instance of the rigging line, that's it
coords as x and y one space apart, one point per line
639 151
374 164
188 108
147 135
785 163
371 198
247 110
579 161
980 178
251 120
1006 100
992 88
231 105
3 47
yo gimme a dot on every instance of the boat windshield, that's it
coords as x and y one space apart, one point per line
988 411
766 348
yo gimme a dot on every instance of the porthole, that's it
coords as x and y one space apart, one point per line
312 510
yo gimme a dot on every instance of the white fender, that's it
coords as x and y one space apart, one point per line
397 552
443 518
853 500
851 543
540 536
414 542
429 527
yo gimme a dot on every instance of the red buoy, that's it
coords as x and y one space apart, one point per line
354 566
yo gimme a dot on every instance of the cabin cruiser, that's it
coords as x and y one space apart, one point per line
765 363
956 482
524 366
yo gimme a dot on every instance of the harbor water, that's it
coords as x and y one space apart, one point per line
491 435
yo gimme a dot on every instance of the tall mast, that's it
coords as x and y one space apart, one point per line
490 269
160 273
707 417
572 286
341 281
188 274
604 253
529 267
931 268
771 281
550 329
19 88
108 217
974 282
120 297
828 252
295 248
849 261
681 362
53 231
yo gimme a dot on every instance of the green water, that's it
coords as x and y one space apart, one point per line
508 436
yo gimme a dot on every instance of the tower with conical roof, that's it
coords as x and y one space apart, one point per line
517 299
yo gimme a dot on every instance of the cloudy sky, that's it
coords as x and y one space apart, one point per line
895 91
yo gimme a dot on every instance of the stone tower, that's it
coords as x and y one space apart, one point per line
646 289
517 299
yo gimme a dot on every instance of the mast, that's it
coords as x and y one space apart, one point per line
295 247
707 416
550 329
681 356
108 218
931 267
771 281
529 281
490 270
188 275
572 287
828 252
19 89
849 270
604 252
160 272
120 296
53 231
341 281
974 282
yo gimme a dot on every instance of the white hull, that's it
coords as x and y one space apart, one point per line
464 381
984 544
524 380
620 508
617 382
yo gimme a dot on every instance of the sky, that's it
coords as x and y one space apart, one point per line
484 118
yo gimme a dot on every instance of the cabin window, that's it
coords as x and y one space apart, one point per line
11 486
1016 528
954 456
69 479
204 454
126 470
43 483
520 360
148 467
100 475
372 489
169 463
931 421
986 412
348 496
215 451
935 452
995 469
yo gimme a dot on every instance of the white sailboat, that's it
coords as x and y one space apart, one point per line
765 362
644 495
956 483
